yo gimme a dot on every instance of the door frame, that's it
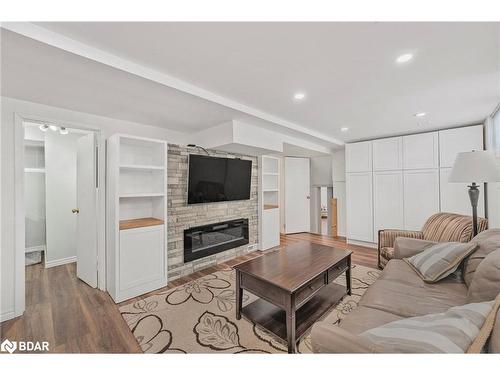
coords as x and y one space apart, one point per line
20 212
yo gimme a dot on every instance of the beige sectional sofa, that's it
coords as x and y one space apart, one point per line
400 293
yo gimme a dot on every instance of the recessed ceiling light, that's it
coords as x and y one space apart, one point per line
63 130
344 129
53 128
299 96
420 114
43 127
404 58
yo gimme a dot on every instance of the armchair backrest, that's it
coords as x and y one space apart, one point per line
447 227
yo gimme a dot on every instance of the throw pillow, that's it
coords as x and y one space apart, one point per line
440 260
461 329
485 284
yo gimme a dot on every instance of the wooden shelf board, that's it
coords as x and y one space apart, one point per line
142 167
140 223
140 195
270 206
35 170
270 190
272 318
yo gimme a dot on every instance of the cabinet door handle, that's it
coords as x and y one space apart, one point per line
75 210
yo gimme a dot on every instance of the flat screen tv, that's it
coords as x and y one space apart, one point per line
214 179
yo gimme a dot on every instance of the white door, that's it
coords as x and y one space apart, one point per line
359 206
86 227
388 200
358 156
421 197
453 141
297 198
388 154
420 151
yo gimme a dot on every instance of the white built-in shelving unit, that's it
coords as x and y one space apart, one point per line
269 182
137 181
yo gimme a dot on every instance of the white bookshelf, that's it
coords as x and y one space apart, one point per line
269 182
137 170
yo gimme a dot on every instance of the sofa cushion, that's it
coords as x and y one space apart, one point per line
485 284
440 260
460 329
364 318
487 241
400 291
406 247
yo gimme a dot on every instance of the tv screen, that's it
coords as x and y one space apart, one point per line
213 179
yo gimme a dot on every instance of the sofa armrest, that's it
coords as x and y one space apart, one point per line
328 338
405 247
386 237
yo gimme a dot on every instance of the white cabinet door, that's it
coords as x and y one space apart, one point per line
141 261
358 157
455 196
453 141
388 200
421 197
387 154
359 206
270 228
420 151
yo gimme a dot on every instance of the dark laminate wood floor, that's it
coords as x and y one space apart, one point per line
75 318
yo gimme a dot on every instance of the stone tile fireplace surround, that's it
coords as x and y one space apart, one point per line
182 216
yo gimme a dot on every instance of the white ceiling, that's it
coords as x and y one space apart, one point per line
347 71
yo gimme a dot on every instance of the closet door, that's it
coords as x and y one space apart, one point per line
388 200
387 154
420 151
358 157
359 206
421 197
453 141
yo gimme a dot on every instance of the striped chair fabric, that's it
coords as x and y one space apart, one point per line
441 227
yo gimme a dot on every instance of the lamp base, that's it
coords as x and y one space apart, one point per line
474 197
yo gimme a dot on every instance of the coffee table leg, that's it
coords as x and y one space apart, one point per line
291 324
348 276
239 296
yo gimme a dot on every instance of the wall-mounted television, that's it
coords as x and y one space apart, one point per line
216 179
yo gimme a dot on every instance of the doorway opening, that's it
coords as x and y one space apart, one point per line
60 198
324 211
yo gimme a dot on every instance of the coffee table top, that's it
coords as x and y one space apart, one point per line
294 265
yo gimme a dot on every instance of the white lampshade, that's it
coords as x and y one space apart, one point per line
475 166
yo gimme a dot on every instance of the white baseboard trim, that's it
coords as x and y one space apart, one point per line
7 316
59 262
35 248
362 243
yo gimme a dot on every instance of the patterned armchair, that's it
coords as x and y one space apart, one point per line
442 227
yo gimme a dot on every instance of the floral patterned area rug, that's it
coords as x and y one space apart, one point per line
199 317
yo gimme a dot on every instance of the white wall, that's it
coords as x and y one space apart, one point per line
492 129
12 300
60 194
321 171
339 189
34 190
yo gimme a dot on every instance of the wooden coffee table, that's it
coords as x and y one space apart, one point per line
295 286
